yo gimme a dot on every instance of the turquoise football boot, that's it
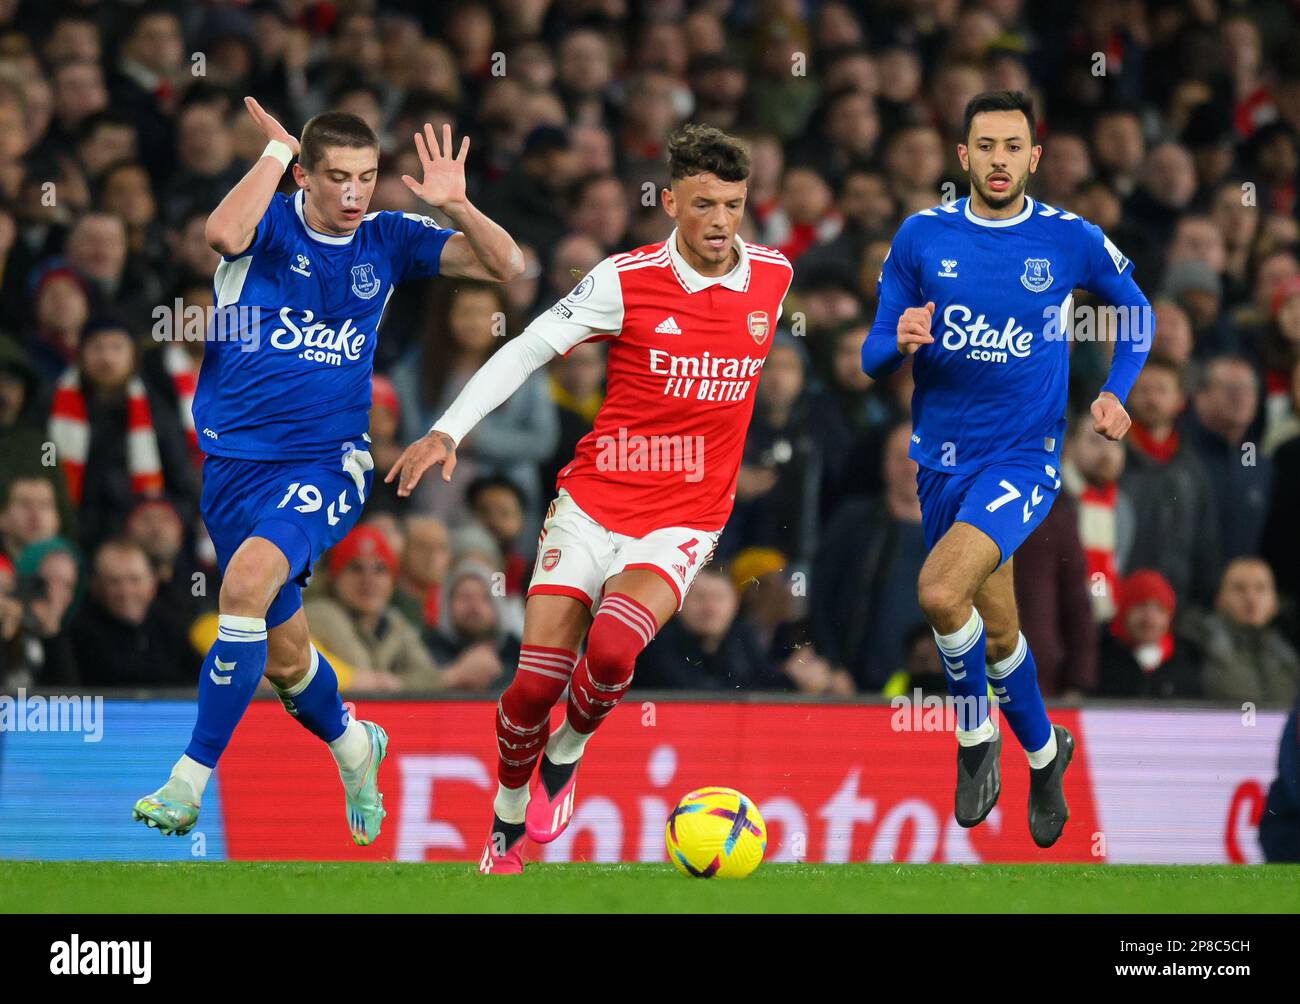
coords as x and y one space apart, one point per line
172 810
366 804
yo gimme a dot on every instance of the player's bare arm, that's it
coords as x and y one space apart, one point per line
231 226
481 249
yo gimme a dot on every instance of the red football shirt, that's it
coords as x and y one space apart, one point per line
685 353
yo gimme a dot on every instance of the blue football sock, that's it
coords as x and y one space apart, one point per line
314 700
962 654
231 670
1015 685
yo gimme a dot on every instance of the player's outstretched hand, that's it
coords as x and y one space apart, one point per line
432 448
914 328
1109 417
444 173
271 129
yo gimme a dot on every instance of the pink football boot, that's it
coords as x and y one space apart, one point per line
550 806
511 861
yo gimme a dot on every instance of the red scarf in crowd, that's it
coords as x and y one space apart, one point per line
1097 535
185 380
1161 451
70 433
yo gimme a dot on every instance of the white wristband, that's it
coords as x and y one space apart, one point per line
279 151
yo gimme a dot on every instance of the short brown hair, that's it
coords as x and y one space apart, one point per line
701 149
333 129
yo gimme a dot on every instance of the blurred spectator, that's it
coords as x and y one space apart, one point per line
779 483
1245 656
425 562
156 526
122 636
1280 542
471 324
861 607
1177 529
1091 466
1051 587
37 597
1224 410
706 646
386 443
471 639
1280 355
771 602
30 515
577 388
1140 656
498 507
115 441
358 624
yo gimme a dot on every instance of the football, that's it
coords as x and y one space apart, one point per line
715 833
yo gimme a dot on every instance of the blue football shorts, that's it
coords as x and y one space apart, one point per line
303 507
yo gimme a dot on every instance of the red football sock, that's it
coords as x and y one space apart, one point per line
524 711
621 629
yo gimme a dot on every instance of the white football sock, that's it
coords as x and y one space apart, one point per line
973 737
566 744
1044 756
511 804
194 773
352 753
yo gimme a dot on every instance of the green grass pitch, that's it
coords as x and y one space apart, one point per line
310 887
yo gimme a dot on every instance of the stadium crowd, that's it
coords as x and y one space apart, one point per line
1170 568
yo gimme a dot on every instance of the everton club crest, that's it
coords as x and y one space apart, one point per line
1038 274
365 283
758 325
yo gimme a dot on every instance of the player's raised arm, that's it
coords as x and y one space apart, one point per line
232 225
481 249
594 307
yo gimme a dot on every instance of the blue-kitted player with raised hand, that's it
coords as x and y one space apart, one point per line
282 410
980 293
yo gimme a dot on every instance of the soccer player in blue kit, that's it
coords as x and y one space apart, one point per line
282 409
980 292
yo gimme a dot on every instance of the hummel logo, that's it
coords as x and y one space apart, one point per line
302 267
949 268
222 668
668 326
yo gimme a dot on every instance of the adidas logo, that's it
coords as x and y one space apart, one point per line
668 326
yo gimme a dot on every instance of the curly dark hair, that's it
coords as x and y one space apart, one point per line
701 149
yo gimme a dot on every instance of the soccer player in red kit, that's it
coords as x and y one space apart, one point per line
689 322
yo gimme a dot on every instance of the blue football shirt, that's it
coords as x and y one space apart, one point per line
287 365
993 383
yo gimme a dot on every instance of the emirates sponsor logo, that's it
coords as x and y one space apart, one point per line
706 377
